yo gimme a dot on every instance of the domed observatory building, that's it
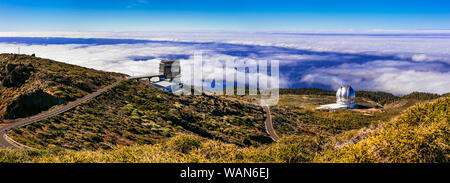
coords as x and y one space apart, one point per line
345 95
345 99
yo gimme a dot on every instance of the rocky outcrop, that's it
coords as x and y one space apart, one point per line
15 75
30 104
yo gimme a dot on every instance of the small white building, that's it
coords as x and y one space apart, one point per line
345 99
166 86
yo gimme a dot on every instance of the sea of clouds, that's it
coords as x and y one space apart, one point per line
398 63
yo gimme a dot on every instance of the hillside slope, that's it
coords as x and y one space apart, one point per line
178 149
30 84
134 122
421 134
418 135
134 113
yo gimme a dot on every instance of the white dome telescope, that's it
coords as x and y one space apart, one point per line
345 99
345 95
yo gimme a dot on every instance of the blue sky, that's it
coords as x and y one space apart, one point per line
175 15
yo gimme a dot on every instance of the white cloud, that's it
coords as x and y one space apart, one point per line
419 58
397 77
397 64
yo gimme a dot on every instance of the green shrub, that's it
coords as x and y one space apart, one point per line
184 144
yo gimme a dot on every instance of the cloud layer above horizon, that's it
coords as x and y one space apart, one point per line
395 63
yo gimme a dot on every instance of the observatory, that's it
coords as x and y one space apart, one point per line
170 69
170 76
345 99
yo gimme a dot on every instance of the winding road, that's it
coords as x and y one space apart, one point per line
269 124
268 121
6 142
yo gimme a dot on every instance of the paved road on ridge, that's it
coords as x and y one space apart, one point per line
268 121
269 124
4 142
